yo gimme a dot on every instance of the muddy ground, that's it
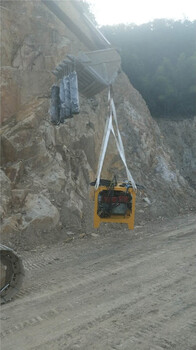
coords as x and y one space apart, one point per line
127 290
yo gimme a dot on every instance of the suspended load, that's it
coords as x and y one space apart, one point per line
55 104
97 70
88 73
64 94
114 202
64 99
74 97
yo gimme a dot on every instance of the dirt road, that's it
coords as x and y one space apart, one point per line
123 290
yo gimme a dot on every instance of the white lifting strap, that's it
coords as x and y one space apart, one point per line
108 128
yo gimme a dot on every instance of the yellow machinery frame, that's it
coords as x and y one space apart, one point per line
125 219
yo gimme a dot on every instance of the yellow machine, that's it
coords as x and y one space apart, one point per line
115 204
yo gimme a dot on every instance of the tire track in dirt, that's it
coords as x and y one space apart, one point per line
131 307
110 313
42 262
85 294
126 296
88 277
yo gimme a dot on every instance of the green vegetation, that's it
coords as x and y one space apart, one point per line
160 60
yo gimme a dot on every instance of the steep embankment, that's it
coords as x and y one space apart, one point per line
46 169
180 135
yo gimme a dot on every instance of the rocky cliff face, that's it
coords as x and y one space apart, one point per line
180 136
46 169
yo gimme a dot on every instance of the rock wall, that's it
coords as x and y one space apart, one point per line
46 169
33 42
180 136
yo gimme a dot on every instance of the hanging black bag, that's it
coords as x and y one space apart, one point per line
62 102
54 105
67 103
74 96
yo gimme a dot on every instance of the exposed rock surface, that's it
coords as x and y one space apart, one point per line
5 193
46 169
181 138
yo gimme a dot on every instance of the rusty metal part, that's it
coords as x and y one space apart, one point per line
12 273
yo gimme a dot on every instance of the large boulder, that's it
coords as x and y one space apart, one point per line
39 213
